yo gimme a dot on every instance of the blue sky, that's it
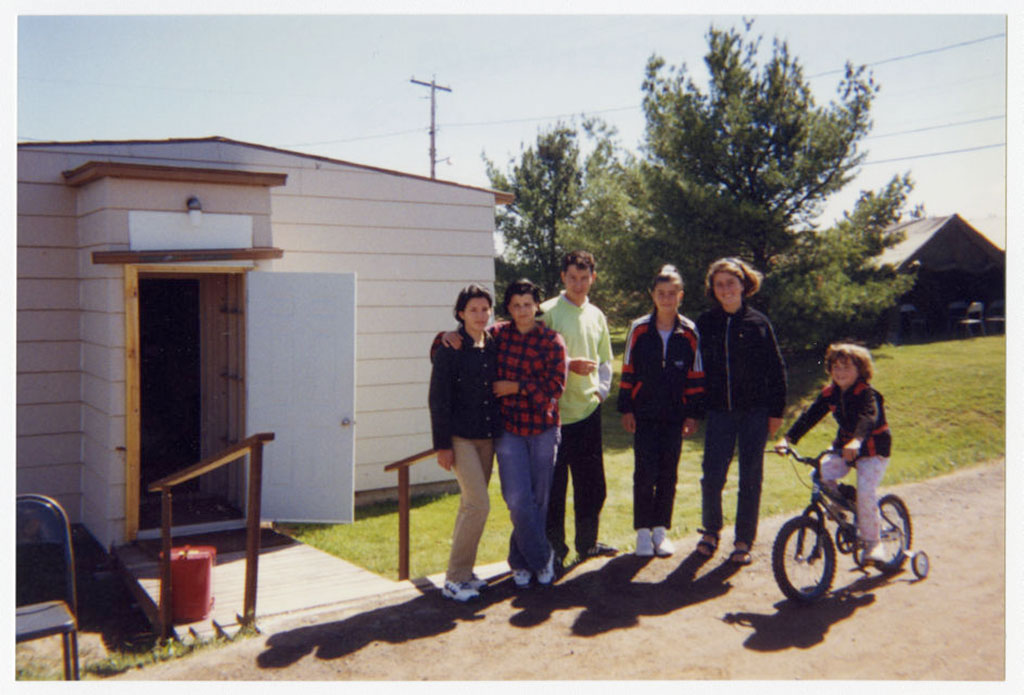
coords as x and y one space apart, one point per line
339 85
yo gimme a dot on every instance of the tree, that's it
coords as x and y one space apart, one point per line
731 171
831 282
546 183
609 223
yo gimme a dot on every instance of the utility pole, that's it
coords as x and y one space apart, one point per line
433 108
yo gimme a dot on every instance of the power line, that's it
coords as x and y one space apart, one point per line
631 108
936 127
935 154
541 118
465 124
918 54
361 137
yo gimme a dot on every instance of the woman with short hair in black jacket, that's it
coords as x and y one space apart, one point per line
465 419
746 396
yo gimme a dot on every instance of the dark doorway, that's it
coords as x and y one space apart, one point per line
171 401
169 364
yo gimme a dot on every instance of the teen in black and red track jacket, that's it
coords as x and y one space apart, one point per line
658 382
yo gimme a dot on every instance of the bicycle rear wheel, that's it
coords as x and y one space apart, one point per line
896 531
803 559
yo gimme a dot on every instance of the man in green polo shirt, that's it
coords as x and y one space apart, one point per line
588 344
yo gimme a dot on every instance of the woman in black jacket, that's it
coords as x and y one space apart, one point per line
464 421
746 397
660 398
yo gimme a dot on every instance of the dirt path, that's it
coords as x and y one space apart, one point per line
630 618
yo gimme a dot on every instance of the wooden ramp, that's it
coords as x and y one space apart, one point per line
293 577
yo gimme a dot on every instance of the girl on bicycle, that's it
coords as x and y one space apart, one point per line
863 435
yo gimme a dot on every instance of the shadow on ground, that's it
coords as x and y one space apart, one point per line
802 626
611 600
608 596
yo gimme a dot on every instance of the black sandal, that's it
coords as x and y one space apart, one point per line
707 547
740 556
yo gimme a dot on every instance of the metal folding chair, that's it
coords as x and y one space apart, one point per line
912 323
995 317
974 318
46 599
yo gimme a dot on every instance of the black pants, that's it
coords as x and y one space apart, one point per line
580 453
656 447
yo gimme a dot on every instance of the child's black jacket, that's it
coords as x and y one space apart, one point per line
860 412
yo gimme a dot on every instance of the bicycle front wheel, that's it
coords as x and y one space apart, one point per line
896 531
803 559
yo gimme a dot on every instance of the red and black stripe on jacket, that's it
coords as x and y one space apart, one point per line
659 382
860 412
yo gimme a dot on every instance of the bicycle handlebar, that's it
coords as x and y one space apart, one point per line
790 451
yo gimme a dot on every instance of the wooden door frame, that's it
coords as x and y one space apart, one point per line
133 375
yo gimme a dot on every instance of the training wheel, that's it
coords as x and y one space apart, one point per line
919 564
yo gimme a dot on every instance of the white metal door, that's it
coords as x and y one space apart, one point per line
300 373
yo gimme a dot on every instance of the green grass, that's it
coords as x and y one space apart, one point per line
945 403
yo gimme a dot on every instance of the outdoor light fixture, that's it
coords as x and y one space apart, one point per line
195 211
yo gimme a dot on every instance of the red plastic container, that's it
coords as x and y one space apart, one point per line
192 582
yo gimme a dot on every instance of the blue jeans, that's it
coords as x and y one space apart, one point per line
748 428
525 467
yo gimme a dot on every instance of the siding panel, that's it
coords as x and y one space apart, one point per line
374 185
372 398
48 418
43 262
63 481
50 199
400 371
52 293
295 210
47 325
48 357
56 387
396 267
354 239
48 450
34 230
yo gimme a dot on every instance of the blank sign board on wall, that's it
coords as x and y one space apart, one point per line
172 231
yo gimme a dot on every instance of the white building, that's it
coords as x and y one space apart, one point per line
177 296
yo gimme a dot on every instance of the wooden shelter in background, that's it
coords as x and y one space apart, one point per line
954 262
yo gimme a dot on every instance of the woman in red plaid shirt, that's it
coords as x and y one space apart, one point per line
532 368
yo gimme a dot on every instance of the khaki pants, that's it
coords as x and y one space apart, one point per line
474 459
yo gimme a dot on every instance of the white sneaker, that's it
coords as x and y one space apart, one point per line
521 578
644 544
459 591
547 574
476 583
875 552
662 545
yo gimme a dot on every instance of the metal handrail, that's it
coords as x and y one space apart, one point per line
253 446
403 506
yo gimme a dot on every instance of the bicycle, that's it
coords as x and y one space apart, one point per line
804 555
